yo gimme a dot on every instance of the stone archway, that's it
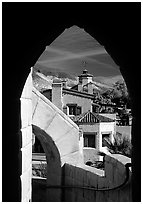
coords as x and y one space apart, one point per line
26 48
132 133
53 164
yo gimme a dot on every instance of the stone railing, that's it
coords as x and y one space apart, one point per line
82 183
63 131
87 184
59 137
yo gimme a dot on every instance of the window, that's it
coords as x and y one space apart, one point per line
105 138
74 109
95 109
89 140
85 89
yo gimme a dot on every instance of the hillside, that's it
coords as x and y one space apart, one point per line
47 71
73 51
42 81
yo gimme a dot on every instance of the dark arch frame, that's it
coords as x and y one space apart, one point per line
119 32
50 149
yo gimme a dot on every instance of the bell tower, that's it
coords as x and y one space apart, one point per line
84 79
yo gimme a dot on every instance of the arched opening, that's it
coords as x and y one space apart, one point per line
26 48
53 169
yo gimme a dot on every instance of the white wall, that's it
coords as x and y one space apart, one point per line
85 103
86 80
64 132
92 129
26 148
108 127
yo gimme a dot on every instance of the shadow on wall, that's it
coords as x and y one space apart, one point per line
53 168
81 183
88 184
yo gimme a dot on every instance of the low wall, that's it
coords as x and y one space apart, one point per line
85 176
90 154
82 183
39 189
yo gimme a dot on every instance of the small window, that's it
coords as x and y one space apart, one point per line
72 110
105 139
85 89
89 140
95 109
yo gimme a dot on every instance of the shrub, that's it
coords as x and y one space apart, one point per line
121 145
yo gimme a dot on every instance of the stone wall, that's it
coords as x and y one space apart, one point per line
85 176
26 135
47 116
59 137
39 189
63 131
90 154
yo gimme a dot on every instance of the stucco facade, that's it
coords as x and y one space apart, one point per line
91 130
84 103
99 130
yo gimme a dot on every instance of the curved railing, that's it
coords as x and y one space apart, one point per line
63 131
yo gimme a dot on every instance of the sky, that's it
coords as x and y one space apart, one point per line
75 50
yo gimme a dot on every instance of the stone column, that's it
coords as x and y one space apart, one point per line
26 134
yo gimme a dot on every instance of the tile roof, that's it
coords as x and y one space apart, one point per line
90 117
75 87
77 93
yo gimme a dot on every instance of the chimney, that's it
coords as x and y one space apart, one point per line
57 93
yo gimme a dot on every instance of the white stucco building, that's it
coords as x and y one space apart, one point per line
80 105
